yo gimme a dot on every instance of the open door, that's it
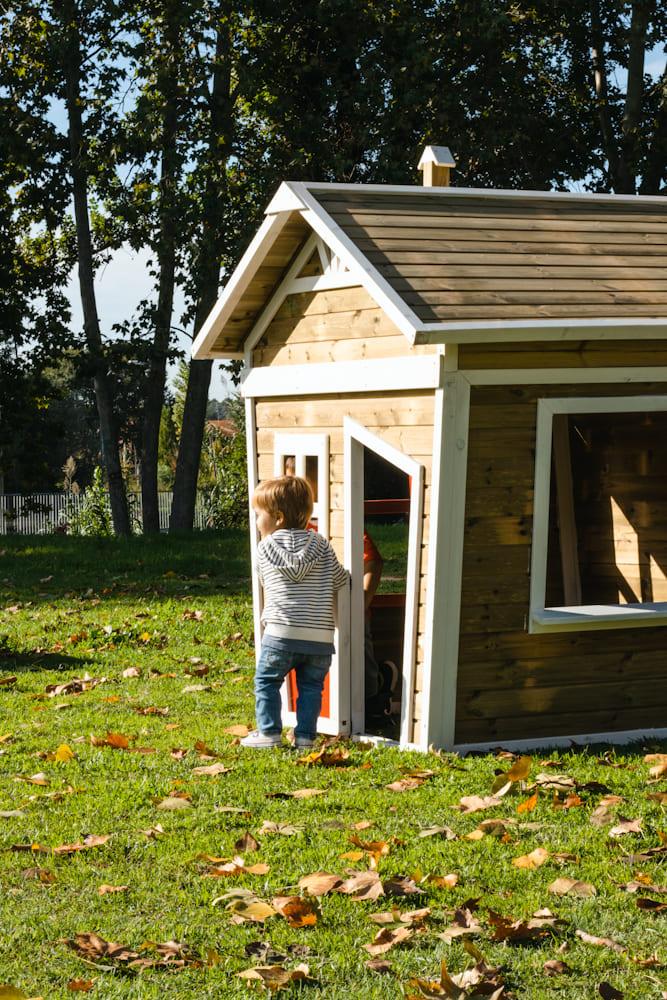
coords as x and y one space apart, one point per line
307 455
383 487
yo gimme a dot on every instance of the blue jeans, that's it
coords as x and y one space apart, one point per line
273 667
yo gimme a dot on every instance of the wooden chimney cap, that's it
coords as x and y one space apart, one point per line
436 162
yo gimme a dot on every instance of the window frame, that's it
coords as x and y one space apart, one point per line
304 446
576 618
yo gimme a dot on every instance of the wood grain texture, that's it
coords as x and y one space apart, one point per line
512 684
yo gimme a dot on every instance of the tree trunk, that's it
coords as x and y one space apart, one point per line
167 86
189 447
207 280
91 326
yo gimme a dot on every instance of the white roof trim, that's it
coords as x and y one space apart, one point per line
440 155
475 331
241 277
461 192
284 200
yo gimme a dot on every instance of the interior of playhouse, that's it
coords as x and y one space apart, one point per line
386 513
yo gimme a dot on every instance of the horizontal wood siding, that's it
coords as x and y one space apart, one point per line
454 257
570 354
403 419
343 324
511 684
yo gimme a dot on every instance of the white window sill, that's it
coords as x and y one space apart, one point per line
587 617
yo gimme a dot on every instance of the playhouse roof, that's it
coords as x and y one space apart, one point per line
462 265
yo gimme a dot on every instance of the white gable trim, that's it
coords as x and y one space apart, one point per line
377 375
343 247
277 299
243 274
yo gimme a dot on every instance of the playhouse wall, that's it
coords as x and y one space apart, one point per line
342 324
512 684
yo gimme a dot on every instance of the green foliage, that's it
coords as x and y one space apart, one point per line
224 459
90 515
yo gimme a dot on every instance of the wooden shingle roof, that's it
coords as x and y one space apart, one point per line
465 258
452 265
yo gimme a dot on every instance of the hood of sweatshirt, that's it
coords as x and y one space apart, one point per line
294 552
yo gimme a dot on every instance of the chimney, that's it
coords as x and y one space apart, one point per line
436 162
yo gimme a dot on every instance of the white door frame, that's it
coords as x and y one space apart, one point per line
302 445
356 438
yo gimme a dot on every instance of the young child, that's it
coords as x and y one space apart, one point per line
300 575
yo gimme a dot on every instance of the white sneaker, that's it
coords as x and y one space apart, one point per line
261 741
303 741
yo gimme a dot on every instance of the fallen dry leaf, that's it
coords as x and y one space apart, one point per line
362 885
600 942
529 804
555 967
556 782
300 793
7 681
132 672
88 842
519 931
297 911
601 816
103 890
377 965
152 710
572 887
608 992
80 985
625 826
476 803
211 770
660 797
387 938
170 955
438 831
246 842
172 803
205 751
465 923
237 730
405 785
153 832
401 885
224 868
659 760
284 829
651 905
117 741
327 757
34 779
535 859
443 881
252 910
319 883
275 977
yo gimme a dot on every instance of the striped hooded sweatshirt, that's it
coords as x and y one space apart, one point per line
300 575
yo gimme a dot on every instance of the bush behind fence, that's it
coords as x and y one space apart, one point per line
44 513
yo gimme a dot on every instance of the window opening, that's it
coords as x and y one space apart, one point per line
600 531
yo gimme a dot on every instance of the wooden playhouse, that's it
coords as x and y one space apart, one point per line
505 353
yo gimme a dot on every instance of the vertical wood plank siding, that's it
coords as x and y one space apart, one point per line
512 684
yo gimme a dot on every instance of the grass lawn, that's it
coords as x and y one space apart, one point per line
170 608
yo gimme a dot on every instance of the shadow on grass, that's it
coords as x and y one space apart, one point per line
26 662
43 568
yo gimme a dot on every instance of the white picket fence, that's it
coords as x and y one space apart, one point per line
43 513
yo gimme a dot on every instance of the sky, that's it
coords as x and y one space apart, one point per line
120 286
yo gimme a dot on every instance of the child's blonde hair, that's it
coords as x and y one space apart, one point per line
290 496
